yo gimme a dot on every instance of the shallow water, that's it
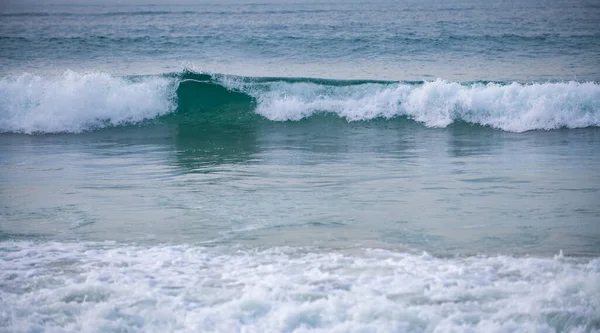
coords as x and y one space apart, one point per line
461 189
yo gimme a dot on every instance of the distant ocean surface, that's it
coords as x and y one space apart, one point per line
296 166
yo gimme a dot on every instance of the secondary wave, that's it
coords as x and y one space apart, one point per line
78 102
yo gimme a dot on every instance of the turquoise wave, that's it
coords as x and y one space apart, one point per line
79 102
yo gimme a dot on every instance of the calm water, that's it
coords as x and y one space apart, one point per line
300 167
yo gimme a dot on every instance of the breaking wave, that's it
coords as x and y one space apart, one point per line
79 102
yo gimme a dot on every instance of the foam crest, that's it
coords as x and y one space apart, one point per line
78 102
514 107
104 287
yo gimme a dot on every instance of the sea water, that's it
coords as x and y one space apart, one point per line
295 166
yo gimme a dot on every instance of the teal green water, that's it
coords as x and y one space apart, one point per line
300 167
321 182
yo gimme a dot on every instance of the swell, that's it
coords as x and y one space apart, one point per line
78 102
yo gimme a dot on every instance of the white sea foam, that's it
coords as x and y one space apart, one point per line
107 287
514 107
76 102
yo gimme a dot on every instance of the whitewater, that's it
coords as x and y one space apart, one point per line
105 287
77 102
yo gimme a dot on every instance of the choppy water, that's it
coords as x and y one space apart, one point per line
300 167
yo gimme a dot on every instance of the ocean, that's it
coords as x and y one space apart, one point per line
300 166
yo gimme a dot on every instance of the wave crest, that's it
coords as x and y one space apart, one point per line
76 102
514 107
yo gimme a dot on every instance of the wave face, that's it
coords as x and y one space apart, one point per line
77 102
